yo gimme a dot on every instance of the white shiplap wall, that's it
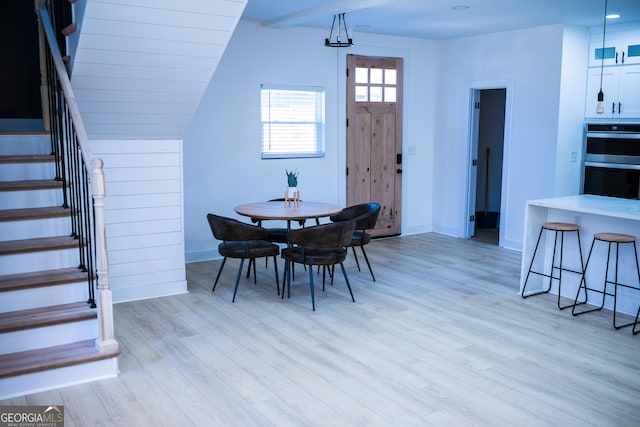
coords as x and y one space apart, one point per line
144 217
141 67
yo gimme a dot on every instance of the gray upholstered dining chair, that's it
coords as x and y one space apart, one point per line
242 241
321 245
365 216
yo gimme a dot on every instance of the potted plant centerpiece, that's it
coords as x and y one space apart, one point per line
292 184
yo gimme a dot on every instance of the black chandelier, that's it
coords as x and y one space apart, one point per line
339 40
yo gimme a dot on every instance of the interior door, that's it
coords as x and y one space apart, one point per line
374 137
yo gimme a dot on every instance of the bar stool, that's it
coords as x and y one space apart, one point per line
559 228
609 238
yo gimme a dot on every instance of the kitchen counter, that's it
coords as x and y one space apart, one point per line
594 214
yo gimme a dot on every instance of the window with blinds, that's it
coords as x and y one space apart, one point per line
292 121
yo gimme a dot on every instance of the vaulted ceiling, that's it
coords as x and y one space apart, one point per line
142 66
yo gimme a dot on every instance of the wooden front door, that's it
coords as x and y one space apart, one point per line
374 137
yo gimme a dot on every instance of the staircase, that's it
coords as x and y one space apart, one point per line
48 330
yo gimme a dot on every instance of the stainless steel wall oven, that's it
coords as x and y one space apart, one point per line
612 160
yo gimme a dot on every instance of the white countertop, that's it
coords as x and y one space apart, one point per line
596 205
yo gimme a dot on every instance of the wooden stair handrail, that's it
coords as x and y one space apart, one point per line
65 83
106 341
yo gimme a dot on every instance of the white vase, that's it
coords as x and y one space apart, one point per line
291 192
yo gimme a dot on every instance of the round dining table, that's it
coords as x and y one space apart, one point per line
281 210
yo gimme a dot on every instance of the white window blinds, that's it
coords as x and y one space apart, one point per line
292 121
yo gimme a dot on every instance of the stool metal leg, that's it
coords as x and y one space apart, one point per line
560 268
615 292
533 257
637 314
583 285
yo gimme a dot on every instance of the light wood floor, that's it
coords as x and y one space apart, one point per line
441 339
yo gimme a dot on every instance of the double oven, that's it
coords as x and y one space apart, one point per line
612 160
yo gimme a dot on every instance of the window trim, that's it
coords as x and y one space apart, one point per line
319 123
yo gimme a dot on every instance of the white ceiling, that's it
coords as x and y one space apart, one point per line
436 19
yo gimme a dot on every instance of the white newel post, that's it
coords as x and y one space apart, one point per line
44 80
104 300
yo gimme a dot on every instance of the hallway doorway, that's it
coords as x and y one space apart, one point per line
487 149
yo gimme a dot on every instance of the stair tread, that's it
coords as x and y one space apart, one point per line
24 132
35 279
51 358
27 158
33 213
46 316
30 184
39 244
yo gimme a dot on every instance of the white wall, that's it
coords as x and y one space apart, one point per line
575 59
529 63
222 165
143 216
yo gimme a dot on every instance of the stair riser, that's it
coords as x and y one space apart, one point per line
31 199
24 171
36 261
26 299
24 144
31 339
36 228
36 382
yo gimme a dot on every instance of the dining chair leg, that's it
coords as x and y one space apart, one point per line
313 300
368 264
353 249
219 272
286 278
251 261
275 264
289 267
346 279
255 277
238 280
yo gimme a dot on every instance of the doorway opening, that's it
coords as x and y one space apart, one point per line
487 149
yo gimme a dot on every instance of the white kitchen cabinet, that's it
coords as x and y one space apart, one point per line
621 88
619 49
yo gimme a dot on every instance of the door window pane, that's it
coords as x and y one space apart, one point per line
389 94
362 75
376 93
376 76
362 93
390 77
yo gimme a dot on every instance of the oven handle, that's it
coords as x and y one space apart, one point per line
613 165
616 135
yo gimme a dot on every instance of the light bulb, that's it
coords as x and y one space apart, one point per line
600 106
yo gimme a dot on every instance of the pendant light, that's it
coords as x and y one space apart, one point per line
600 106
338 41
